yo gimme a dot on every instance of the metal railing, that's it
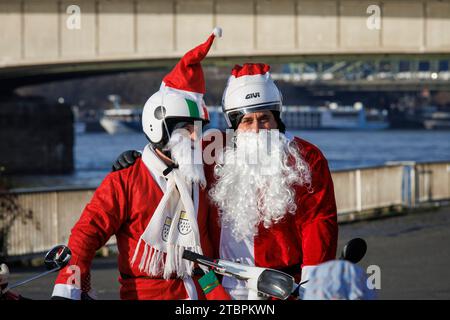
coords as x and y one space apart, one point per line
55 211
360 190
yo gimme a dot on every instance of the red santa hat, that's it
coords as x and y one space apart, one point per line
250 69
187 77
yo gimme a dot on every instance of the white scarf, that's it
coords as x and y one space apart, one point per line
172 228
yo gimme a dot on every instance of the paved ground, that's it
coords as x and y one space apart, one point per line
412 251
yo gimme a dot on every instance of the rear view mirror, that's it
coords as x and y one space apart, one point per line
354 250
57 258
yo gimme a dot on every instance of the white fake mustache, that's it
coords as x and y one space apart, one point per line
188 155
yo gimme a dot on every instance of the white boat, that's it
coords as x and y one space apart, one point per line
122 120
438 120
354 117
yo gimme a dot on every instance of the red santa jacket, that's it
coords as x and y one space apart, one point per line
305 239
122 206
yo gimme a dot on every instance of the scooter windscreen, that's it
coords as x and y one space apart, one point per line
276 284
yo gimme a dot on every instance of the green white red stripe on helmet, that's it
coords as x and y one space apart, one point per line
194 106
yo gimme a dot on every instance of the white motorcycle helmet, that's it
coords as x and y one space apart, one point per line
163 110
250 88
180 97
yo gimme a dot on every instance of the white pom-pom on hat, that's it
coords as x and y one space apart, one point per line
217 31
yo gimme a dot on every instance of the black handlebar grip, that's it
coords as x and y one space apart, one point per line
192 256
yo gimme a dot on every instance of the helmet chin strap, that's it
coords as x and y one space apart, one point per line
166 128
166 151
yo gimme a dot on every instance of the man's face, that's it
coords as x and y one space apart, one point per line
193 133
255 121
189 129
185 149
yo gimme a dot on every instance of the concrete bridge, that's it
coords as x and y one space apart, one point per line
49 38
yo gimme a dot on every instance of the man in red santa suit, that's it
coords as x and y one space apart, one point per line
272 194
156 208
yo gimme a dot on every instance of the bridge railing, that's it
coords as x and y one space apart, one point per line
361 190
38 219
432 182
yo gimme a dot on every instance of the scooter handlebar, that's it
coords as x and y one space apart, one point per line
195 257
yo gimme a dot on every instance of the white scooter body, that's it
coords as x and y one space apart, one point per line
264 282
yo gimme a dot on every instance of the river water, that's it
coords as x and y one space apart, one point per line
95 152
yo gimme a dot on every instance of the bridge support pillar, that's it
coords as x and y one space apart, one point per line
36 137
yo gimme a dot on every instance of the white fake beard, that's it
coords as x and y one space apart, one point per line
256 184
188 155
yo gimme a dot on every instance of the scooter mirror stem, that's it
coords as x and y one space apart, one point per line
55 259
